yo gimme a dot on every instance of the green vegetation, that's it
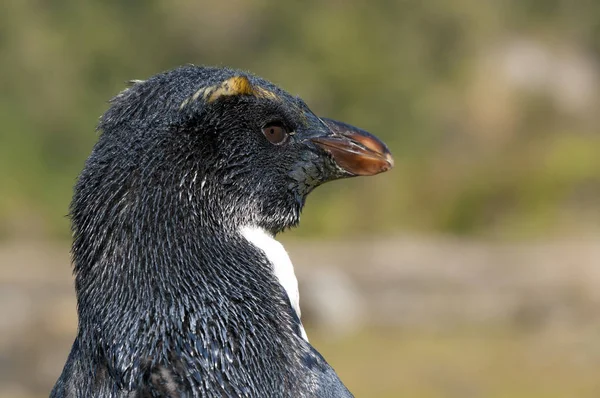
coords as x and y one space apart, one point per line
478 151
462 363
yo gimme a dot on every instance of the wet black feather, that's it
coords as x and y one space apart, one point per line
172 300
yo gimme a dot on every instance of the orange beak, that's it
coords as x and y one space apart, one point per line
354 150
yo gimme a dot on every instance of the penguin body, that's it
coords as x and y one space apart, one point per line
182 289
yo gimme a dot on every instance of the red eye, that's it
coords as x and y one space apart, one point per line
275 132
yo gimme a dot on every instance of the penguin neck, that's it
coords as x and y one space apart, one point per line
167 264
182 292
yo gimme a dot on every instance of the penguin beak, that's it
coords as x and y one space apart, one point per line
356 151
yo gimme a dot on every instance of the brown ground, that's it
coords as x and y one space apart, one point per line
402 317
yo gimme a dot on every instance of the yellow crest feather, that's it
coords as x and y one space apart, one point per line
237 85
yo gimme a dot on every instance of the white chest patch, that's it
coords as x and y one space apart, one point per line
280 260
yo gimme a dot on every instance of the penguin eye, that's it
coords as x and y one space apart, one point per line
275 132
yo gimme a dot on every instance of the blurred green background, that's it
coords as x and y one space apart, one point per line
489 107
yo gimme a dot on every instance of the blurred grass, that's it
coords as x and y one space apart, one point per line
464 363
481 147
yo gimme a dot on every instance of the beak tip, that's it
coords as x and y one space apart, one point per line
390 161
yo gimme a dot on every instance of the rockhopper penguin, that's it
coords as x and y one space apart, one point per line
182 290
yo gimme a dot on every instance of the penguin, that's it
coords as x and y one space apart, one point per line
182 288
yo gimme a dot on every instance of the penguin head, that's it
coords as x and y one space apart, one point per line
233 146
